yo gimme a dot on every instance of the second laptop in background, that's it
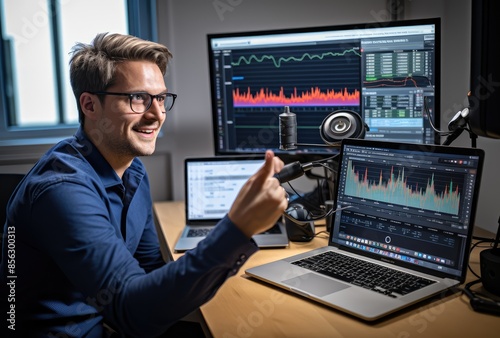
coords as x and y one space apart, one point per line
211 186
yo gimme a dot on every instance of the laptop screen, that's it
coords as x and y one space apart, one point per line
408 204
211 184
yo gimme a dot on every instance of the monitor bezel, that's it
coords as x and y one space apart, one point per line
303 155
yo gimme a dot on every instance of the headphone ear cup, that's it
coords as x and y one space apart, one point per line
342 124
298 212
298 223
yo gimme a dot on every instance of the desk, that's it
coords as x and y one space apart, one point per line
244 307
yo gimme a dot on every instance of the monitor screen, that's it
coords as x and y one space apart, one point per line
385 73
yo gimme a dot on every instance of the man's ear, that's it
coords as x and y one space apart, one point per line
89 102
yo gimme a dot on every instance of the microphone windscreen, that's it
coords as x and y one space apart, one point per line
288 130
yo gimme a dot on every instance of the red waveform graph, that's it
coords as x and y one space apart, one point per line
314 97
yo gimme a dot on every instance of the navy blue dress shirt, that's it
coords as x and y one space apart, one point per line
86 251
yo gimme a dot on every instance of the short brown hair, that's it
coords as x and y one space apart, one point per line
92 66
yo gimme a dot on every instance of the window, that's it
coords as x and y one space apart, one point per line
36 99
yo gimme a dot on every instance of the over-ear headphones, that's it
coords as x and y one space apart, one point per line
342 124
299 223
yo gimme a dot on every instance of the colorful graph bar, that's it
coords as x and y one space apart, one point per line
313 97
396 191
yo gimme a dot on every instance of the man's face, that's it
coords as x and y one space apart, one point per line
123 133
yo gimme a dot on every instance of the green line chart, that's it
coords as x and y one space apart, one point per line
277 61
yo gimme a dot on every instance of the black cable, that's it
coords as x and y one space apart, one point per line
304 200
322 232
473 246
467 288
430 118
479 301
452 135
312 207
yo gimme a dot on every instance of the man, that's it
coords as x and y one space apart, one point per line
86 250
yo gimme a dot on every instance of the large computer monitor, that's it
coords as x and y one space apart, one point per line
388 73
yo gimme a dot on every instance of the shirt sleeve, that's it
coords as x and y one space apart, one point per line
76 232
185 284
148 252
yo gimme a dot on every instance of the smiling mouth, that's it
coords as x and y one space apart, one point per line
145 131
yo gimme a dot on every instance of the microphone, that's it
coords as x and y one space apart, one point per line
459 120
288 130
452 137
292 171
457 125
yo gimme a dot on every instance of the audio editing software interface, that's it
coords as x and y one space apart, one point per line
398 75
382 73
406 205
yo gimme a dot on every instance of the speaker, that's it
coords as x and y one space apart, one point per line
490 270
299 224
484 96
342 124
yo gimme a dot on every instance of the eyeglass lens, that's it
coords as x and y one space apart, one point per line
141 102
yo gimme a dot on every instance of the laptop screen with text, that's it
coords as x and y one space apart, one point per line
212 185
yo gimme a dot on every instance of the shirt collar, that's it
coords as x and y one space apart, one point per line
101 166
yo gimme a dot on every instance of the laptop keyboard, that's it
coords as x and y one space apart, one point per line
198 232
387 281
204 232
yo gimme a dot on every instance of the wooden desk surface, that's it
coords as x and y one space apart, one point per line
244 307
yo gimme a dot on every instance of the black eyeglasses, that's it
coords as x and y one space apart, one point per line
140 102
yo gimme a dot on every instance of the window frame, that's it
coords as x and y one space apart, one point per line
142 22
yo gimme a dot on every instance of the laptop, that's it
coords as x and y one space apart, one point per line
402 210
211 186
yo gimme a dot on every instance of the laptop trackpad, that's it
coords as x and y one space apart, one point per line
315 284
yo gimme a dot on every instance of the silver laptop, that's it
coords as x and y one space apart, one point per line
403 211
211 186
